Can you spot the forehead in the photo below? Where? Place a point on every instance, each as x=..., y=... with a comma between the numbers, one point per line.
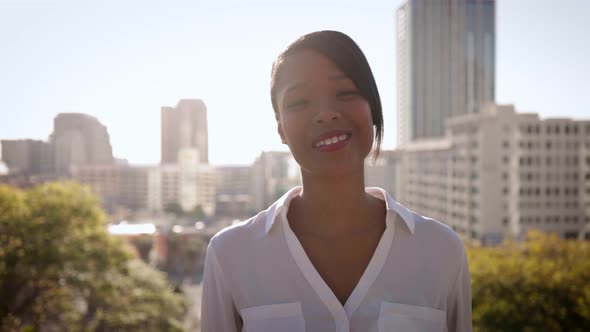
x=305, y=66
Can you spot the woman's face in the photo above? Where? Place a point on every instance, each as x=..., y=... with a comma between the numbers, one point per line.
x=322, y=116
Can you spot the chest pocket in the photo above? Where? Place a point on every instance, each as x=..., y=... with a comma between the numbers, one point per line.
x=408, y=318
x=286, y=317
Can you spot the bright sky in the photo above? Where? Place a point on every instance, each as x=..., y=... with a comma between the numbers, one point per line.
x=122, y=60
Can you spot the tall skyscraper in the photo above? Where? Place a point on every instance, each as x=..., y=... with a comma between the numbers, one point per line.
x=445, y=63
x=184, y=127
x=77, y=140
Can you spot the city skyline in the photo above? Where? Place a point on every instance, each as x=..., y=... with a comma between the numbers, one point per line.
x=123, y=64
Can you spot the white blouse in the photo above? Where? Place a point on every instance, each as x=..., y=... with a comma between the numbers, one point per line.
x=259, y=278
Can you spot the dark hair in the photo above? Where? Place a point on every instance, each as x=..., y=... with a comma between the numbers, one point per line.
x=347, y=55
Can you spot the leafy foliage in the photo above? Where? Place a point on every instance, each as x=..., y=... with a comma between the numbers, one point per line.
x=184, y=252
x=61, y=271
x=175, y=209
x=542, y=284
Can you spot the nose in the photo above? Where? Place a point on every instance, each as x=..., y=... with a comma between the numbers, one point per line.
x=326, y=113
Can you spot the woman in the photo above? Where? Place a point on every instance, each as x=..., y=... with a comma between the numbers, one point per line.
x=333, y=255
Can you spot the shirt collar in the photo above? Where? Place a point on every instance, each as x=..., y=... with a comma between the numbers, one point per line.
x=281, y=206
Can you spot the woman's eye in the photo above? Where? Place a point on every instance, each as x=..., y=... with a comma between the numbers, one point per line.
x=297, y=103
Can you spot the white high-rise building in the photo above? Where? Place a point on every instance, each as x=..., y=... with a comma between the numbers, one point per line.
x=500, y=173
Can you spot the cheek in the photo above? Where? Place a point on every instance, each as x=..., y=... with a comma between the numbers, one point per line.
x=292, y=128
x=365, y=120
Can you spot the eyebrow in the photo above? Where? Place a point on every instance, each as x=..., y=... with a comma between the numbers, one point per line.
x=302, y=84
x=339, y=77
x=294, y=87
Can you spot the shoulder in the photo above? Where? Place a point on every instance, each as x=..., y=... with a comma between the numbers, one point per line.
x=438, y=232
x=239, y=235
x=430, y=235
x=427, y=232
x=439, y=247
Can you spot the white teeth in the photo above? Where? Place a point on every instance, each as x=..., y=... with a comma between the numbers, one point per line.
x=332, y=140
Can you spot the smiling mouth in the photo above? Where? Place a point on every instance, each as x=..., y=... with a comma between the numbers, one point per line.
x=331, y=140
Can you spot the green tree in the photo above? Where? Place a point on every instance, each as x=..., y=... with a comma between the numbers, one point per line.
x=143, y=244
x=174, y=208
x=197, y=213
x=61, y=270
x=542, y=284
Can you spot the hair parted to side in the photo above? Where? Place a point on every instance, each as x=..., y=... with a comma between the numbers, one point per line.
x=348, y=56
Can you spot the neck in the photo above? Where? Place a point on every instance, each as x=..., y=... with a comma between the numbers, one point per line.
x=331, y=205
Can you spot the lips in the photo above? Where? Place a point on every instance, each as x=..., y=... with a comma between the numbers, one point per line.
x=332, y=141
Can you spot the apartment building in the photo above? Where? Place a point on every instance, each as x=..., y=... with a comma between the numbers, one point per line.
x=499, y=172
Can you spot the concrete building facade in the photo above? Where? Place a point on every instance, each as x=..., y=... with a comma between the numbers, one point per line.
x=501, y=173
x=184, y=126
x=445, y=63
x=234, y=192
x=27, y=156
x=273, y=174
x=384, y=171
x=149, y=189
x=79, y=140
